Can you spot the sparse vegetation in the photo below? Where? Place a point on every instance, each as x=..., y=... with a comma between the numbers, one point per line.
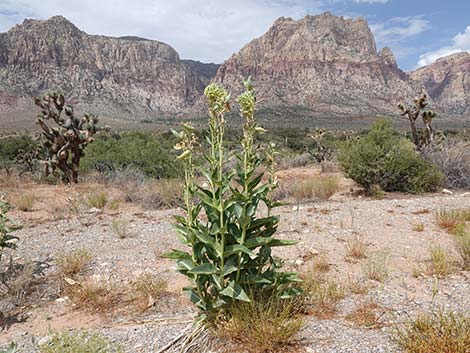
x=441, y=264
x=356, y=248
x=25, y=202
x=376, y=266
x=385, y=159
x=120, y=227
x=7, y=227
x=79, y=342
x=462, y=243
x=418, y=227
x=96, y=295
x=367, y=314
x=321, y=187
x=149, y=285
x=262, y=326
x=321, y=296
x=73, y=263
x=452, y=220
x=435, y=333
x=97, y=200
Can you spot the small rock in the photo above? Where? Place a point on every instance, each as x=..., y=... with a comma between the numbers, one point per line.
x=447, y=191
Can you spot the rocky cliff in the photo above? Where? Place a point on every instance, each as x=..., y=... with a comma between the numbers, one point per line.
x=127, y=77
x=327, y=64
x=448, y=83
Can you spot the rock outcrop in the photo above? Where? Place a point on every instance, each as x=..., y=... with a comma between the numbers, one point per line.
x=126, y=77
x=326, y=64
x=448, y=83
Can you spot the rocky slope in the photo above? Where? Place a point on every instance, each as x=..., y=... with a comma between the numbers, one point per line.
x=448, y=83
x=327, y=64
x=127, y=77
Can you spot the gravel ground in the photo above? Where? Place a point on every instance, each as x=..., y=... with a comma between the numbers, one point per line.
x=321, y=229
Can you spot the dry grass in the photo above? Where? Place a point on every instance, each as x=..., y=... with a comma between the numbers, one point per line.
x=376, y=267
x=79, y=342
x=462, y=244
x=321, y=296
x=97, y=296
x=149, y=285
x=97, y=200
x=321, y=264
x=435, y=333
x=367, y=315
x=418, y=227
x=451, y=220
x=441, y=264
x=120, y=227
x=356, y=248
x=262, y=327
x=73, y=263
x=321, y=187
x=25, y=202
x=357, y=286
x=165, y=193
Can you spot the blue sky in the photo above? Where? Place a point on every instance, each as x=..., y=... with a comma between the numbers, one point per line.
x=418, y=31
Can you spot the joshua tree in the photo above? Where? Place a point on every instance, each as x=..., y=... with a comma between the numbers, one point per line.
x=427, y=136
x=64, y=144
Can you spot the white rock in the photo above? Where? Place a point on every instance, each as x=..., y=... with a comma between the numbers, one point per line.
x=447, y=191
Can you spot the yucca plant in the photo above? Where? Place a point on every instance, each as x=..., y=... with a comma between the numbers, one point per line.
x=229, y=242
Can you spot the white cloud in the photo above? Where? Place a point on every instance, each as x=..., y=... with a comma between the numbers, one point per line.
x=208, y=30
x=460, y=43
x=399, y=29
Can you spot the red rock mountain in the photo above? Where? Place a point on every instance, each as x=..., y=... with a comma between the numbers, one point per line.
x=448, y=83
x=126, y=77
x=325, y=64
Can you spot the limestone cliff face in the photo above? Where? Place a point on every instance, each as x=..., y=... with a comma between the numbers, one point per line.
x=325, y=63
x=125, y=77
x=448, y=83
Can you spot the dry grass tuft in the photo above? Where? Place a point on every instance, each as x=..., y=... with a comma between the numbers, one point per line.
x=462, y=243
x=321, y=187
x=120, y=227
x=262, y=327
x=451, y=220
x=165, y=193
x=97, y=296
x=367, y=315
x=441, y=264
x=418, y=227
x=73, y=263
x=435, y=333
x=79, y=342
x=25, y=202
x=98, y=200
x=356, y=248
x=321, y=296
x=321, y=264
x=149, y=285
x=376, y=267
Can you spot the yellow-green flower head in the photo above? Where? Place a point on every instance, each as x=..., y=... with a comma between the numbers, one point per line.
x=217, y=96
x=246, y=100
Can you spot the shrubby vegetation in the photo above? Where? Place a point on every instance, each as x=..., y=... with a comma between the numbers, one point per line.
x=384, y=159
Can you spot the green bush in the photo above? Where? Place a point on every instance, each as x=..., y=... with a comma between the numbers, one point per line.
x=80, y=342
x=382, y=158
x=139, y=150
x=11, y=147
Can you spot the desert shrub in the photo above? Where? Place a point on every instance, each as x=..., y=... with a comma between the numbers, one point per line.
x=131, y=150
x=383, y=158
x=453, y=159
x=229, y=245
x=96, y=295
x=79, y=342
x=435, y=333
x=11, y=147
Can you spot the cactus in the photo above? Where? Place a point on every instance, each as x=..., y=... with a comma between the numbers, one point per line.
x=421, y=138
x=64, y=144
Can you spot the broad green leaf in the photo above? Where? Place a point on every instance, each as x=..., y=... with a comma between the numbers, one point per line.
x=235, y=291
x=204, y=269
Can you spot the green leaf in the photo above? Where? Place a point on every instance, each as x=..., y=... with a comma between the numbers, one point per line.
x=235, y=291
x=176, y=255
x=204, y=269
x=229, y=267
x=234, y=249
